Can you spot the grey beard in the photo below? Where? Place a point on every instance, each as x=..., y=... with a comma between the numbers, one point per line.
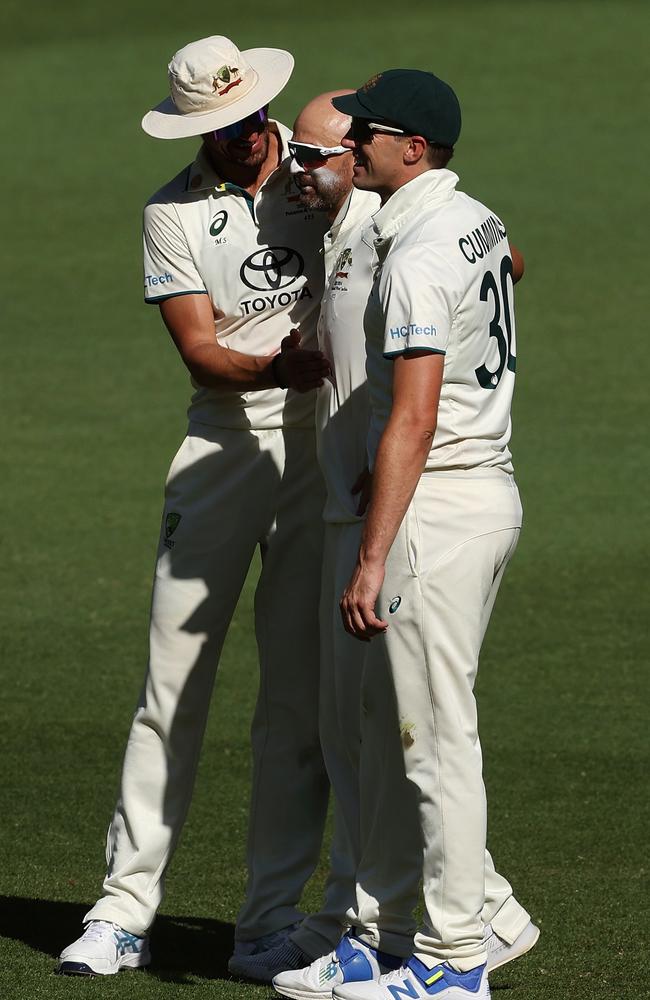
x=329, y=189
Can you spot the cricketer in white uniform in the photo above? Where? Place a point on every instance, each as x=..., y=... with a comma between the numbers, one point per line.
x=342, y=411
x=351, y=689
x=359, y=727
x=234, y=266
x=445, y=515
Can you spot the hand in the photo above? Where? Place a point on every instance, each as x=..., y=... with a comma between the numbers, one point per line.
x=299, y=369
x=358, y=603
x=362, y=486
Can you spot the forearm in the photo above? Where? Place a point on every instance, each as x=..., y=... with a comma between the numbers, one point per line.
x=214, y=366
x=401, y=456
x=402, y=453
x=190, y=321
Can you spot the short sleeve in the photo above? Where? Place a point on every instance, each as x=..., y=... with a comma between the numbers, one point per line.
x=169, y=267
x=419, y=293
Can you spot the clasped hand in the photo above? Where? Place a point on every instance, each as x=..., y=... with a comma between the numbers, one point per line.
x=301, y=369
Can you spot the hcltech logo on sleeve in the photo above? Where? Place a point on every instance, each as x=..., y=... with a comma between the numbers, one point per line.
x=410, y=330
x=157, y=279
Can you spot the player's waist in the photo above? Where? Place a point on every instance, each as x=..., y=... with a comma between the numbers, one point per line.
x=264, y=409
x=497, y=473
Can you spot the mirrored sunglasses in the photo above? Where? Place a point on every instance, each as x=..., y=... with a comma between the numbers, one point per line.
x=305, y=152
x=238, y=128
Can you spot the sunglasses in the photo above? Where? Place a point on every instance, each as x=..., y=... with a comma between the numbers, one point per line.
x=305, y=152
x=238, y=128
x=362, y=130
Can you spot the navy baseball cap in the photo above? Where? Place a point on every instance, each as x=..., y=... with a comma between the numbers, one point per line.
x=421, y=103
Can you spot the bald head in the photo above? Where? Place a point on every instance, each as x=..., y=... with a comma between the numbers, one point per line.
x=324, y=183
x=320, y=123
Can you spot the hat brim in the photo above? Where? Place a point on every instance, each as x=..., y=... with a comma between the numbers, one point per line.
x=273, y=68
x=349, y=104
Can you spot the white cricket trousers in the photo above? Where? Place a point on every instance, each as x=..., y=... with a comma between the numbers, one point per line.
x=376, y=864
x=227, y=492
x=442, y=577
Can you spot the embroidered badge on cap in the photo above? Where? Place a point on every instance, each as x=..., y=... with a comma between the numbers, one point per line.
x=372, y=82
x=225, y=79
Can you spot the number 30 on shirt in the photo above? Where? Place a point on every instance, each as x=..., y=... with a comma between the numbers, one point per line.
x=499, y=294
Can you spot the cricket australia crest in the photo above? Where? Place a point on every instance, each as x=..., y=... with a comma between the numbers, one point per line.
x=225, y=79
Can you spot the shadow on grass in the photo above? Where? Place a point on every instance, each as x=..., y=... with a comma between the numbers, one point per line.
x=181, y=946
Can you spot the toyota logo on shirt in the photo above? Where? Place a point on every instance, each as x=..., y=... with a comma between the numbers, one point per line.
x=271, y=268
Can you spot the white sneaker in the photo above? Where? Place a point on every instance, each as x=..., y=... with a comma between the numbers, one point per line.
x=102, y=950
x=499, y=952
x=263, y=958
x=352, y=961
x=419, y=982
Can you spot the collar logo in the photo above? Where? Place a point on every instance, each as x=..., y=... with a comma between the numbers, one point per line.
x=225, y=79
x=372, y=82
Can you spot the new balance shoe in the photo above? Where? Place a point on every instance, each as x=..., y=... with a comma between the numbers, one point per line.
x=414, y=980
x=499, y=952
x=263, y=967
x=352, y=961
x=102, y=950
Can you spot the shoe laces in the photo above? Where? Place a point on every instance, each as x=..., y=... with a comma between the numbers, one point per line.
x=395, y=975
x=98, y=929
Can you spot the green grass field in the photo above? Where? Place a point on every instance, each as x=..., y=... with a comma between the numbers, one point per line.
x=555, y=139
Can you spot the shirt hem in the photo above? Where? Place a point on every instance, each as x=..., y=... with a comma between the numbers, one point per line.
x=407, y=350
x=173, y=295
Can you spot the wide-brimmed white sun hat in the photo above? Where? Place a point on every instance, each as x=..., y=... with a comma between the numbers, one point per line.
x=213, y=84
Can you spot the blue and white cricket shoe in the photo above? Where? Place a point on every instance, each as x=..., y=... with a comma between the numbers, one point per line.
x=500, y=951
x=102, y=950
x=415, y=981
x=352, y=961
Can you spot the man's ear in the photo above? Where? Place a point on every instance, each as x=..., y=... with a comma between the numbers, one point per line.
x=415, y=149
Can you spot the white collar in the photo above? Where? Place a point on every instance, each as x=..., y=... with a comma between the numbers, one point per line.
x=433, y=187
x=356, y=208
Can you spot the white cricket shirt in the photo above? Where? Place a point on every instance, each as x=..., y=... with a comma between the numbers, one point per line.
x=259, y=261
x=343, y=407
x=444, y=284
